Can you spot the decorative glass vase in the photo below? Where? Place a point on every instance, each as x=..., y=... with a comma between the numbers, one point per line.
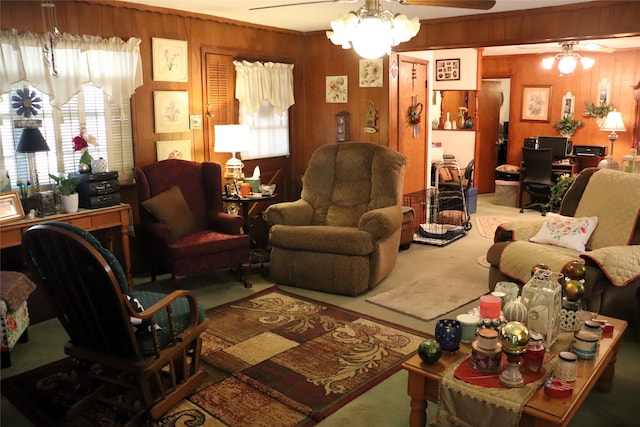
x=542, y=295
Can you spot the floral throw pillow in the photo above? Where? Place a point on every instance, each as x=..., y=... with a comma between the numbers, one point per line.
x=566, y=231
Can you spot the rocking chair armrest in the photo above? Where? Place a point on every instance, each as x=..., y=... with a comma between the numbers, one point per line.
x=165, y=302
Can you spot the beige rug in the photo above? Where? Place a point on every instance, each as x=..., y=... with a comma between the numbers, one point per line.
x=482, y=260
x=430, y=297
x=487, y=224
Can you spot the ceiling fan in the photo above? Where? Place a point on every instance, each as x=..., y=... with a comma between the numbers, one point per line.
x=463, y=4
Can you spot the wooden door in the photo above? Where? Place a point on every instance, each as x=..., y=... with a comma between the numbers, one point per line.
x=487, y=152
x=412, y=79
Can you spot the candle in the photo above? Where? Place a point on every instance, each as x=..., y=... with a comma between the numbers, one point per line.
x=489, y=307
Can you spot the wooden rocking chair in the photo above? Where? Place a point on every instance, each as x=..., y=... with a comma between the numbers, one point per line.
x=152, y=354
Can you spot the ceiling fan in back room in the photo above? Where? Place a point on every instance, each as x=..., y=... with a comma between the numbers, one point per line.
x=372, y=31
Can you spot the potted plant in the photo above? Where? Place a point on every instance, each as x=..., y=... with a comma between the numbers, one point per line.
x=599, y=112
x=567, y=125
x=557, y=191
x=68, y=194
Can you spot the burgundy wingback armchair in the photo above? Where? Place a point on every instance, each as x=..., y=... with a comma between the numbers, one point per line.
x=182, y=223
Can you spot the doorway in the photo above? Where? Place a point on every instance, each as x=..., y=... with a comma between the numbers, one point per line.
x=493, y=102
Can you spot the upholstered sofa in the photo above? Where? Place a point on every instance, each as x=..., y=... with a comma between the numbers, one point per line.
x=342, y=236
x=612, y=251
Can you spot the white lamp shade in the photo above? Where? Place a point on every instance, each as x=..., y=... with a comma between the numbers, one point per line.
x=613, y=122
x=231, y=138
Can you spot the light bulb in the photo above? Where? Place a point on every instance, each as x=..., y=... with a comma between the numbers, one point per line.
x=372, y=38
x=547, y=63
x=587, y=62
x=567, y=64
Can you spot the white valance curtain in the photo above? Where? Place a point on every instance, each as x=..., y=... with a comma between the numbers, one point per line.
x=111, y=64
x=257, y=82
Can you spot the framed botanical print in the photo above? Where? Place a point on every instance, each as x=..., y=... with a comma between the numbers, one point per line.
x=536, y=104
x=337, y=89
x=180, y=150
x=371, y=72
x=171, y=111
x=170, y=60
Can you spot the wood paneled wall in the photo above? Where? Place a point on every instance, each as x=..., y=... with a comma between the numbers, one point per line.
x=125, y=20
x=622, y=69
x=314, y=58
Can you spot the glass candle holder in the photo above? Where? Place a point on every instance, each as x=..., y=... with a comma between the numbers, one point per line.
x=448, y=334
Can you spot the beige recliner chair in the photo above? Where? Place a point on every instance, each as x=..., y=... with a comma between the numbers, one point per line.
x=342, y=236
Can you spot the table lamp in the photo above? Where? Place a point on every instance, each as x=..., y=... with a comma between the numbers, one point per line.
x=232, y=139
x=32, y=141
x=613, y=123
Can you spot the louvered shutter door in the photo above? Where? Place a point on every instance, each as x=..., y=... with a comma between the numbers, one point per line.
x=219, y=95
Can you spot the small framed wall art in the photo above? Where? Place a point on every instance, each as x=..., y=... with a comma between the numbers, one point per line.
x=568, y=104
x=337, y=89
x=10, y=207
x=171, y=111
x=536, y=104
x=170, y=60
x=371, y=72
x=180, y=150
x=447, y=69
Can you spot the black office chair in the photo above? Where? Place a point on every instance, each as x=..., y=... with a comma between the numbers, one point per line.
x=537, y=177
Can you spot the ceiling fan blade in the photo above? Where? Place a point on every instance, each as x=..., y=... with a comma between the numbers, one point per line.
x=463, y=4
x=302, y=3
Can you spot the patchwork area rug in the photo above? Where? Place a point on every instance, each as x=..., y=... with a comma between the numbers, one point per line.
x=275, y=359
x=487, y=225
x=430, y=297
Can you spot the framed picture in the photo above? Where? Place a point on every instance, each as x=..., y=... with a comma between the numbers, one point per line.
x=536, y=104
x=337, y=89
x=171, y=111
x=604, y=91
x=371, y=72
x=447, y=69
x=170, y=60
x=10, y=207
x=180, y=149
x=568, y=104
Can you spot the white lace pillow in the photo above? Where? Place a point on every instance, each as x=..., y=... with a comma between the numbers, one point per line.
x=566, y=231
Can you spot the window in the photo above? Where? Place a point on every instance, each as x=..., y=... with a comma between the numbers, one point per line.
x=268, y=132
x=90, y=108
x=265, y=93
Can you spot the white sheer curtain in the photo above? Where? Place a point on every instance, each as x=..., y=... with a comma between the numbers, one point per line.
x=111, y=64
x=265, y=92
x=258, y=81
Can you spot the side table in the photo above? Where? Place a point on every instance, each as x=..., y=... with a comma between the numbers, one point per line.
x=257, y=254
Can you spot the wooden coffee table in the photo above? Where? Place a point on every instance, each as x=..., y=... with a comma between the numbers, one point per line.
x=541, y=410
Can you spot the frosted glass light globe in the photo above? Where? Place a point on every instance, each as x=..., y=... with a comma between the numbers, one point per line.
x=372, y=38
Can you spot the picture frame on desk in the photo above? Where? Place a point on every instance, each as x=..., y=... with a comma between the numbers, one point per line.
x=536, y=103
x=10, y=207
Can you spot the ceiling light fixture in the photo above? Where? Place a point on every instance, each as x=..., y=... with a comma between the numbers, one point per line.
x=372, y=31
x=568, y=59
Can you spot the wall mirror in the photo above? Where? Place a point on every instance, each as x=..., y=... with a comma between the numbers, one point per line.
x=456, y=103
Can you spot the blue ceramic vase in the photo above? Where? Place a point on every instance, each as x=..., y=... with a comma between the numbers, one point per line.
x=448, y=334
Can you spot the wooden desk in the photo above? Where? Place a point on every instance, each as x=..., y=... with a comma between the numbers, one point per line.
x=88, y=219
x=541, y=410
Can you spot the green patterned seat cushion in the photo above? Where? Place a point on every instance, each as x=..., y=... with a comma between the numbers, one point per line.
x=146, y=298
x=180, y=312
